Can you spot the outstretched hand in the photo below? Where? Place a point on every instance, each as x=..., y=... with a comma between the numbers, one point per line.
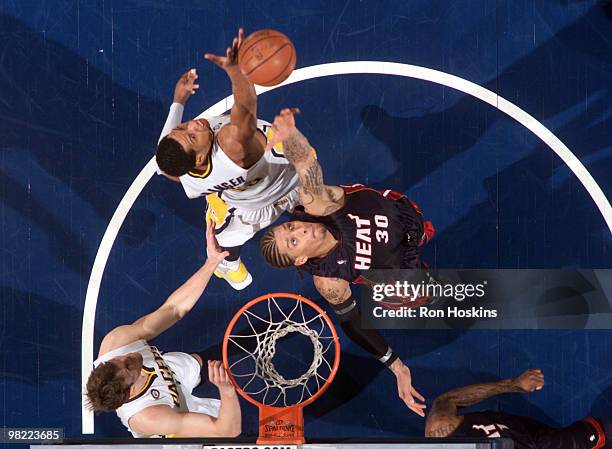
x=283, y=126
x=215, y=253
x=185, y=86
x=406, y=391
x=530, y=381
x=218, y=376
x=230, y=60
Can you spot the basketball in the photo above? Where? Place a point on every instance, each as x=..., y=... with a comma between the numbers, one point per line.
x=267, y=57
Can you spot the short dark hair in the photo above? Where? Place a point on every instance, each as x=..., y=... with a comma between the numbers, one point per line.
x=271, y=251
x=172, y=158
x=106, y=390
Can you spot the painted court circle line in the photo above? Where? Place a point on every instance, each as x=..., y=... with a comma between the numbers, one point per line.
x=306, y=73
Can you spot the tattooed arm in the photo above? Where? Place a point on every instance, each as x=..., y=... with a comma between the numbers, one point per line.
x=316, y=197
x=334, y=290
x=338, y=293
x=443, y=418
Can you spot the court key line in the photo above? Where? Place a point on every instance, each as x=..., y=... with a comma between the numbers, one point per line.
x=306, y=73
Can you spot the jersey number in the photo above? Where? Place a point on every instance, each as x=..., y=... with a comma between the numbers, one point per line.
x=492, y=430
x=382, y=222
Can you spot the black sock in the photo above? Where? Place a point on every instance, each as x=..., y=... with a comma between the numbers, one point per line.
x=369, y=339
x=234, y=253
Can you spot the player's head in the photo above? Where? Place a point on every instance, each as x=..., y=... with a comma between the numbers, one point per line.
x=109, y=384
x=293, y=243
x=186, y=147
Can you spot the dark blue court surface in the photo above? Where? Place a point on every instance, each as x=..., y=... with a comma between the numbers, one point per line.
x=84, y=91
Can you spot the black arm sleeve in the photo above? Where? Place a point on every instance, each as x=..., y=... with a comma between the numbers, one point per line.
x=368, y=339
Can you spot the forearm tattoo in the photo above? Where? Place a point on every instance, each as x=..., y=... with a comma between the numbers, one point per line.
x=441, y=431
x=442, y=420
x=472, y=394
x=333, y=294
x=336, y=201
x=312, y=179
x=296, y=148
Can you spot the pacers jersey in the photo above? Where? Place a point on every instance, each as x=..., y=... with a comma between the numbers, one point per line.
x=271, y=178
x=170, y=379
x=375, y=230
x=530, y=434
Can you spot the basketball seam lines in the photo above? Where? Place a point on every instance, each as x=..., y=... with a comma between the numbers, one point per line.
x=267, y=59
x=282, y=73
x=258, y=40
x=252, y=44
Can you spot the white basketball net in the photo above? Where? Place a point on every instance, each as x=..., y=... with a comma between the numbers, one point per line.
x=272, y=385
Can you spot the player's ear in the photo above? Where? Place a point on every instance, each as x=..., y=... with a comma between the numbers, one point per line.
x=301, y=260
x=200, y=159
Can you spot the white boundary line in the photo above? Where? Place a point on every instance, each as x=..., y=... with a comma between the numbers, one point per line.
x=306, y=73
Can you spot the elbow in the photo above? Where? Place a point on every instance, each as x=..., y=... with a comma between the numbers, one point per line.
x=440, y=401
x=180, y=314
x=235, y=429
x=230, y=430
x=444, y=402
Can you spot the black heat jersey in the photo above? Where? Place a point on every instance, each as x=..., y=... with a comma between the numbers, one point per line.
x=375, y=230
x=528, y=433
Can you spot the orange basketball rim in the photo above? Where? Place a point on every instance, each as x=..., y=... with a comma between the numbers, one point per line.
x=280, y=401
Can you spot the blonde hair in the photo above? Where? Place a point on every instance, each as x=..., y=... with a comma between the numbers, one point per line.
x=106, y=391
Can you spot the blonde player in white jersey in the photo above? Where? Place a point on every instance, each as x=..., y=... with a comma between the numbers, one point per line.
x=224, y=159
x=151, y=390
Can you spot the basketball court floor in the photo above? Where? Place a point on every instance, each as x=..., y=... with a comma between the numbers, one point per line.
x=85, y=87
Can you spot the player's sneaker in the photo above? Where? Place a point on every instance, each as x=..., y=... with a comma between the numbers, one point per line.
x=239, y=278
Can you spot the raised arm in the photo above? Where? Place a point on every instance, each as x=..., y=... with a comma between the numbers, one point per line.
x=444, y=419
x=164, y=420
x=176, y=306
x=244, y=111
x=338, y=293
x=316, y=197
x=185, y=87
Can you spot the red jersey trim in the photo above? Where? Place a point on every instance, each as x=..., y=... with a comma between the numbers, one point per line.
x=390, y=194
x=601, y=440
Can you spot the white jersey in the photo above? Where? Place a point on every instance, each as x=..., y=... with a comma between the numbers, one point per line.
x=171, y=379
x=268, y=180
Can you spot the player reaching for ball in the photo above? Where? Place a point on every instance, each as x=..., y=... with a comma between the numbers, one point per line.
x=151, y=390
x=224, y=159
x=444, y=419
x=338, y=234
